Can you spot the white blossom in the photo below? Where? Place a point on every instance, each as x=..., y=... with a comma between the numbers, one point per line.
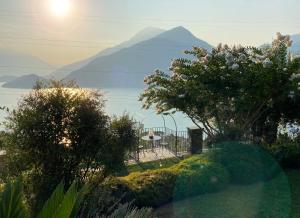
x=229, y=58
x=267, y=63
x=235, y=66
x=181, y=96
x=295, y=76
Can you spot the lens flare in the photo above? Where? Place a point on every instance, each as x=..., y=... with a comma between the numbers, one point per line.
x=60, y=8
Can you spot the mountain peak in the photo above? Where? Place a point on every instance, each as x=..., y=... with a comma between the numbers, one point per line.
x=146, y=33
x=180, y=34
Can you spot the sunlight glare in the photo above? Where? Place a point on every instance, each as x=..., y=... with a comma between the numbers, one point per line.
x=60, y=8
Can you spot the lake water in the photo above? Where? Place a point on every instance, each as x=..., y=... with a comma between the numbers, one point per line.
x=118, y=101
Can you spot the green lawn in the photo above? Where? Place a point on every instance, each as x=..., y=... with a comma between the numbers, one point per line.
x=277, y=198
x=157, y=164
x=164, y=163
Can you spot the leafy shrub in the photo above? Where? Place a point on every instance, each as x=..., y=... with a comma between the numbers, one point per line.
x=190, y=177
x=129, y=211
x=11, y=201
x=123, y=139
x=105, y=196
x=153, y=187
x=198, y=176
x=286, y=150
x=246, y=163
x=60, y=205
x=59, y=131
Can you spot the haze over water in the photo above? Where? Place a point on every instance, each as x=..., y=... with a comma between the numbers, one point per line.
x=118, y=101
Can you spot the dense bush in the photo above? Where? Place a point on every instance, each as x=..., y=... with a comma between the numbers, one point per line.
x=105, y=195
x=57, y=132
x=286, y=150
x=209, y=172
x=246, y=163
x=123, y=139
x=198, y=176
x=61, y=132
x=154, y=188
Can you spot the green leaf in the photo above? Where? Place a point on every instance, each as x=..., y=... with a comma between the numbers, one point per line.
x=11, y=201
x=53, y=202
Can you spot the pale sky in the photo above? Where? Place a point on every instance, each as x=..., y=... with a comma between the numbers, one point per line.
x=91, y=25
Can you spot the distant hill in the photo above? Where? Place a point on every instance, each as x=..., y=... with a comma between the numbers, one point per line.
x=7, y=78
x=128, y=67
x=296, y=43
x=143, y=35
x=13, y=63
x=23, y=82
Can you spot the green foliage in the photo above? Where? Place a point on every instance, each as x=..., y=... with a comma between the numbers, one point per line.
x=200, y=176
x=154, y=188
x=209, y=172
x=286, y=150
x=105, y=196
x=59, y=205
x=63, y=205
x=230, y=91
x=12, y=202
x=57, y=132
x=124, y=138
x=129, y=211
x=2, y=138
x=246, y=163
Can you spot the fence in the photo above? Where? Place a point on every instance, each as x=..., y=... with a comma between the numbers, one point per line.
x=177, y=142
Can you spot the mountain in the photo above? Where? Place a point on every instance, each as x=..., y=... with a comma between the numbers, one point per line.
x=129, y=66
x=23, y=82
x=6, y=78
x=14, y=63
x=143, y=35
x=296, y=43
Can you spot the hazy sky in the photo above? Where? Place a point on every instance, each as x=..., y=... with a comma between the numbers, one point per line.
x=92, y=25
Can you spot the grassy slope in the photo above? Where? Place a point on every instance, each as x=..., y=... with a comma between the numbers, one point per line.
x=275, y=198
x=157, y=164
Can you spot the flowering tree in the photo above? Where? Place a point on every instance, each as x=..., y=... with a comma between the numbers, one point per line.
x=245, y=89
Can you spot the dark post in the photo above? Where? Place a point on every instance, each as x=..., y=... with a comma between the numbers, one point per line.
x=196, y=136
x=176, y=136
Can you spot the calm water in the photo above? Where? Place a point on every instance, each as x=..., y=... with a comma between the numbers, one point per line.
x=118, y=101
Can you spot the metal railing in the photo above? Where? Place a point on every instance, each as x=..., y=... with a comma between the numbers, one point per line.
x=177, y=142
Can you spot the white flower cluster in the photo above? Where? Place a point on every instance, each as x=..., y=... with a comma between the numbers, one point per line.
x=286, y=39
x=235, y=66
x=267, y=63
x=295, y=76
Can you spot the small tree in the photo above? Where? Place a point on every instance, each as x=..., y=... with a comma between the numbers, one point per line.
x=231, y=92
x=58, y=132
x=124, y=138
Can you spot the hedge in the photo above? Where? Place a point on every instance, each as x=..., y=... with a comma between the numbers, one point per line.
x=191, y=177
x=246, y=163
x=210, y=172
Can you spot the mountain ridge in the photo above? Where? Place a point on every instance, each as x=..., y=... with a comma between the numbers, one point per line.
x=142, y=35
x=129, y=66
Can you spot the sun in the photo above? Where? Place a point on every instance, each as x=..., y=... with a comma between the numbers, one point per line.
x=60, y=8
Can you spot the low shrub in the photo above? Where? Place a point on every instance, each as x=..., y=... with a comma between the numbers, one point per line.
x=246, y=163
x=209, y=172
x=152, y=188
x=105, y=196
x=190, y=177
x=199, y=176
